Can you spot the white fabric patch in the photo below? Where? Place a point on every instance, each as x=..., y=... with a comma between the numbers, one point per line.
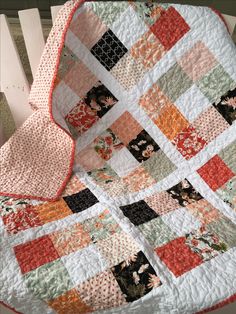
x=181, y=221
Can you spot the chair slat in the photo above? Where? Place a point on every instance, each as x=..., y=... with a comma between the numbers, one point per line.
x=231, y=22
x=33, y=35
x=54, y=11
x=14, y=83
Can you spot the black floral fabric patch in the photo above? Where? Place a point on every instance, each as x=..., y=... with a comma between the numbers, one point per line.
x=139, y=212
x=184, y=193
x=136, y=277
x=143, y=146
x=227, y=106
x=80, y=201
x=100, y=99
x=109, y=50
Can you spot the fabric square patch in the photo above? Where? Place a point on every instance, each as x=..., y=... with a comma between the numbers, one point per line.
x=123, y=162
x=189, y=143
x=139, y=212
x=136, y=277
x=117, y=248
x=178, y=256
x=70, y=240
x=153, y=101
x=174, y=82
x=12, y=205
x=35, y=253
x=204, y=211
x=102, y=226
x=106, y=144
x=81, y=117
x=64, y=98
x=89, y=159
x=205, y=243
x=157, y=232
x=192, y=103
x=128, y=71
x=184, y=193
x=23, y=219
x=225, y=229
x=197, y=61
x=149, y=12
x=73, y=186
x=109, y=11
x=69, y=303
x=162, y=202
x=170, y=28
x=227, y=192
x=81, y=201
x=48, y=281
x=210, y=124
x=181, y=221
x=124, y=27
x=103, y=175
x=143, y=146
x=215, y=83
x=84, y=264
x=138, y=179
x=227, y=156
x=101, y=292
x=171, y=121
x=67, y=60
x=100, y=99
x=126, y=127
x=80, y=87
x=215, y=173
x=227, y=106
x=159, y=165
x=148, y=50
x=88, y=28
x=109, y=50
x=51, y=211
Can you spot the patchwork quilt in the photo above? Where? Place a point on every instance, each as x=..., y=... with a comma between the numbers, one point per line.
x=118, y=194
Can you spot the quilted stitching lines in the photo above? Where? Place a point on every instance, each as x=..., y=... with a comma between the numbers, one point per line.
x=97, y=286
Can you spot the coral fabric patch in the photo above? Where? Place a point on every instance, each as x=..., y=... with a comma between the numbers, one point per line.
x=178, y=257
x=35, y=253
x=215, y=173
x=169, y=28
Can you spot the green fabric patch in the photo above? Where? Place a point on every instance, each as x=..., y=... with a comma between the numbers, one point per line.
x=215, y=84
x=228, y=192
x=101, y=227
x=157, y=232
x=174, y=82
x=109, y=11
x=225, y=229
x=159, y=166
x=228, y=156
x=49, y=281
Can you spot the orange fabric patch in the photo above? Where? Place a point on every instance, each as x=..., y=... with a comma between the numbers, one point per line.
x=53, y=211
x=171, y=122
x=69, y=303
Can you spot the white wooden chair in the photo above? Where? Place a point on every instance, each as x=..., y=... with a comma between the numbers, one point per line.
x=13, y=81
